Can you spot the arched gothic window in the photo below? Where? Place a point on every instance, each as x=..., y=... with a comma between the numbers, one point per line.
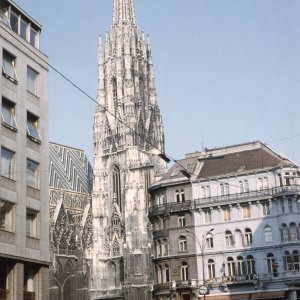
x=116, y=186
x=111, y=275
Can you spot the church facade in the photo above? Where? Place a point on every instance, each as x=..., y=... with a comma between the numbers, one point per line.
x=128, y=138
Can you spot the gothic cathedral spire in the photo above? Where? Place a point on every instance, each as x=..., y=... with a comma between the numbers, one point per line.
x=128, y=136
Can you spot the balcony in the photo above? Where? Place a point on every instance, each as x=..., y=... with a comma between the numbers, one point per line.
x=240, y=279
x=170, y=207
x=249, y=196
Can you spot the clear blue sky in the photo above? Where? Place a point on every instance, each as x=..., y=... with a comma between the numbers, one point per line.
x=226, y=72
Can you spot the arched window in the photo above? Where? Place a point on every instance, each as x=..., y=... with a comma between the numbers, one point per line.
x=293, y=232
x=228, y=238
x=211, y=269
x=250, y=265
x=159, y=274
x=116, y=248
x=270, y=260
x=248, y=236
x=182, y=195
x=288, y=261
x=184, y=271
x=182, y=244
x=165, y=247
x=238, y=238
x=230, y=266
x=116, y=186
x=296, y=259
x=209, y=241
x=268, y=234
x=240, y=266
x=158, y=248
x=111, y=275
x=285, y=233
x=177, y=194
x=166, y=273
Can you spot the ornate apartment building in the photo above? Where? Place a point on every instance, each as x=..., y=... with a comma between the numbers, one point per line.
x=24, y=209
x=70, y=181
x=228, y=228
x=128, y=136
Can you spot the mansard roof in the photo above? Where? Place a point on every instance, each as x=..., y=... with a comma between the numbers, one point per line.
x=226, y=161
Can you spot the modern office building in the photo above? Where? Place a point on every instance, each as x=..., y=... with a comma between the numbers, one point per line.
x=24, y=208
x=229, y=227
x=70, y=180
x=128, y=136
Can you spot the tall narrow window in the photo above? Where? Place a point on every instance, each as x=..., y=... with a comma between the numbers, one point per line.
x=6, y=216
x=9, y=66
x=293, y=232
x=31, y=223
x=209, y=241
x=208, y=215
x=33, y=37
x=226, y=189
x=7, y=163
x=248, y=236
x=32, y=127
x=240, y=266
x=32, y=174
x=268, y=234
x=296, y=260
x=23, y=29
x=250, y=265
x=14, y=22
x=245, y=211
x=285, y=233
x=266, y=208
x=231, y=271
x=184, y=271
x=270, y=261
x=32, y=81
x=8, y=114
x=181, y=221
x=211, y=269
x=228, y=239
x=290, y=205
x=226, y=213
x=117, y=186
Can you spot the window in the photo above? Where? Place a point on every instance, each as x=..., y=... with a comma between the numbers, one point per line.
x=230, y=266
x=296, y=260
x=211, y=269
x=205, y=191
x=268, y=234
x=228, y=238
x=33, y=37
x=181, y=221
x=245, y=211
x=32, y=127
x=224, y=189
x=32, y=174
x=270, y=261
x=293, y=232
x=7, y=163
x=159, y=274
x=182, y=244
x=8, y=114
x=226, y=214
x=14, y=22
x=32, y=81
x=158, y=248
x=287, y=178
x=243, y=184
x=240, y=266
x=179, y=196
x=285, y=233
x=9, y=66
x=116, y=182
x=165, y=247
x=248, y=236
x=161, y=198
x=116, y=248
x=290, y=205
x=166, y=274
x=266, y=208
x=6, y=216
x=250, y=265
x=282, y=206
x=31, y=223
x=208, y=216
x=209, y=241
x=184, y=271
x=288, y=261
x=265, y=183
x=23, y=29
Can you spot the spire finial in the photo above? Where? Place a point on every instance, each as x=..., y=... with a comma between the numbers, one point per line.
x=123, y=12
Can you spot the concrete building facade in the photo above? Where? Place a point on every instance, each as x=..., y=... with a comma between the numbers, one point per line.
x=24, y=210
x=229, y=228
x=128, y=136
x=70, y=189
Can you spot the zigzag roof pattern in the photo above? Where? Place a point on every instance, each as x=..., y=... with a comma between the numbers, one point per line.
x=69, y=169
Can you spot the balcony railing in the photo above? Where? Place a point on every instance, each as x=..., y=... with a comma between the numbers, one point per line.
x=231, y=198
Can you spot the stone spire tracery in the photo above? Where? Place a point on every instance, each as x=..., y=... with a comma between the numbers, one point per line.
x=128, y=135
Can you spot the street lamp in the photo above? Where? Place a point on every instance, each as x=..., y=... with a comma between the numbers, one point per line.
x=203, y=288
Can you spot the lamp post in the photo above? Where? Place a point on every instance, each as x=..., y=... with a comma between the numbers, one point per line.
x=203, y=289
